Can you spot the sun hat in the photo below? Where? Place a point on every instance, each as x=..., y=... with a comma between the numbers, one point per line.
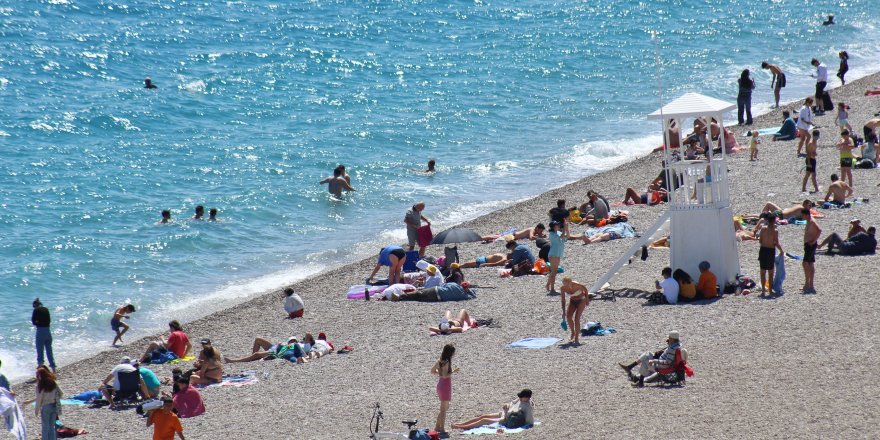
x=444, y=324
x=454, y=265
x=125, y=360
x=292, y=338
x=674, y=335
x=432, y=269
x=206, y=341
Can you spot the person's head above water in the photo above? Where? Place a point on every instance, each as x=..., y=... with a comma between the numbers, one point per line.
x=166, y=214
x=148, y=83
x=341, y=168
x=337, y=172
x=431, y=164
x=200, y=212
x=213, y=214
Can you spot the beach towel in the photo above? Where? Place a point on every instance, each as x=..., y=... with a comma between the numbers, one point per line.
x=84, y=397
x=179, y=360
x=424, y=235
x=493, y=428
x=534, y=343
x=161, y=357
x=596, y=329
x=248, y=377
x=763, y=131
x=357, y=291
x=13, y=417
x=779, y=276
x=624, y=230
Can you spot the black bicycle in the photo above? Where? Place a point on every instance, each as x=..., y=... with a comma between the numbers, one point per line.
x=375, y=434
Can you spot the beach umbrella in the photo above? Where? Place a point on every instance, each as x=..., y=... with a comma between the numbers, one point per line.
x=456, y=235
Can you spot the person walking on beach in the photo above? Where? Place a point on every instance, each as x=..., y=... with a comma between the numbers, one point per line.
x=844, y=66
x=337, y=183
x=811, y=242
x=578, y=299
x=744, y=97
x=804, y=123
x=768, y=237
x=842, y=118
x=164, y=422
x=413, y=220
x=846, y=147
x=810, y=169
x=557, y=250
x=443, y=369
x=778, y=81
x=41, y=319
x=821, y=81
x=116, y=323
x=48, y=402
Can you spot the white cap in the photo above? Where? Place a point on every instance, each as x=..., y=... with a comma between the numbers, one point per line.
x=674, y=335
x=422, y=264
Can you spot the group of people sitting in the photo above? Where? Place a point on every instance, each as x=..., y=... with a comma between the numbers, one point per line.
x=678, y=286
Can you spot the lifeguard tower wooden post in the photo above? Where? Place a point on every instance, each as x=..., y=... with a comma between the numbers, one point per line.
x=699, y=214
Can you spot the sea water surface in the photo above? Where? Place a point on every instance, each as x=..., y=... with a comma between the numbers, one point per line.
x=258, y=100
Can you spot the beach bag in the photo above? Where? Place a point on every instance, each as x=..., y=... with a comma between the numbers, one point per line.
x=827, y=103
x=515, y=419
x=541, y=267
x=621, y=218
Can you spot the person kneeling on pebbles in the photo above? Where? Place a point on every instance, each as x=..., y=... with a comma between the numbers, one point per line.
x=651, y=363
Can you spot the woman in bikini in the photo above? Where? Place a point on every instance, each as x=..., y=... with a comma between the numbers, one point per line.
x=578, y=298
x=443, y=369
x=453, y=324
x=211, y=370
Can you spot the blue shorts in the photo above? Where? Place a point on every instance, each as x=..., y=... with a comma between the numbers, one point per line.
x=115, y=324
x=480, y=261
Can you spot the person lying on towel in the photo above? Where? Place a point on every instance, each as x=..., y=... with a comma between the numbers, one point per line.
x=447, y=292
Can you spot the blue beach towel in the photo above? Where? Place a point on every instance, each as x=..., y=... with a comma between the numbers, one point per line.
x=534, y=343
x=161, y=357
x=493, y=428
x=779, y=275
x=624, y=230
x=763, y=131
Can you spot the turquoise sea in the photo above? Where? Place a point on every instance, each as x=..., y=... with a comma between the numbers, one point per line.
x=259, y=100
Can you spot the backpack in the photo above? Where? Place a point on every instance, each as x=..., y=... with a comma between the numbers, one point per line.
x=516, y=419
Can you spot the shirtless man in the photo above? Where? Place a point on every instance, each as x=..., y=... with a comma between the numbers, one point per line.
x=657, y=187
x=838, y=191
x=810, y=170
x=166, y=216
x=768, y=238
x=487, y=261
x=596, y=210
x=778, y=81
x=529, y=233
x=116, y=323
x=787, y=213
x=337, y=183
x=578, y=298
x=200, y=213
x=811, y=242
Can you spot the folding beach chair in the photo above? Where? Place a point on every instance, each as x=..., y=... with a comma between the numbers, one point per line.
x=412, y=257
x=129, y=388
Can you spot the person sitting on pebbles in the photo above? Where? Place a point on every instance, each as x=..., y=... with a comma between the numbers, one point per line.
x=516, y=414
x=649, y=362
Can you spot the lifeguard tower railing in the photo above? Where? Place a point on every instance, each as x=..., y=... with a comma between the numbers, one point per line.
x=699, y=184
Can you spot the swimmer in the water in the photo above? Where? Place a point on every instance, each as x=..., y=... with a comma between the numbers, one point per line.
x=212, y=215
x=166, y=216
x=148, y=84
x=828, y=22
x=200, y=212
x=431, y=164
x=337, y=183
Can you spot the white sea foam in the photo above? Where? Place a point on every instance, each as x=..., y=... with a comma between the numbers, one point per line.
x=197, y=86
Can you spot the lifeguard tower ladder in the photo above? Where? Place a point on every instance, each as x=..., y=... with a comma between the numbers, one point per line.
x=699, y=214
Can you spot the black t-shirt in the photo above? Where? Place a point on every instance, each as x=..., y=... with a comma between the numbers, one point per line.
x=558, y=214
x=40, y=317
x=859, y=244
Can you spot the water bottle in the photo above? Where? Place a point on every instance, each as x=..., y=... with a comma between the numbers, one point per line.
x=366, y=293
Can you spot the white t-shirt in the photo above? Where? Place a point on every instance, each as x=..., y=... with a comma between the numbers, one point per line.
x=398, y=289
x=321, y=347
x=670, y=290
x=805, y=118
x=821, y=73
x=434, y=281
x=121, y=368
x=293, y=303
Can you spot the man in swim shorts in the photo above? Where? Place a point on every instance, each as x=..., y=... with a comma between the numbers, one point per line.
x=768, y=237
x=792, y=213
x=487, y=261
x=116, y=323
x=810, y=169
x=838, y=191
x=337, y=183
x=778, y=80
x=811, y=241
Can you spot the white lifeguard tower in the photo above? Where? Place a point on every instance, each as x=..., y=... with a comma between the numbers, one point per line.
x=699, y=214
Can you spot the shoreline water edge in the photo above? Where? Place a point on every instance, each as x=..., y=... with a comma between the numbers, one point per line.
x=391, y=352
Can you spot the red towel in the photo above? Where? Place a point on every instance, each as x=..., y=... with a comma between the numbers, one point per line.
x=424, y=235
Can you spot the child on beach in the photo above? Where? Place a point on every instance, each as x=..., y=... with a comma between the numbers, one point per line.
x=842, y=119
x=844, y=66
x=293, y=304
x=753, y=146
x=443, y=369
x=846, y=147
x=810, y=169
x=164, y=422
x=116, y=323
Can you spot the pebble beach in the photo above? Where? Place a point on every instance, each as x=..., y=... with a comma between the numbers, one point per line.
x=793, y=366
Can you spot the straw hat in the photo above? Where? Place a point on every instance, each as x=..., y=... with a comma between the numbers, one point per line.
x=674, y=335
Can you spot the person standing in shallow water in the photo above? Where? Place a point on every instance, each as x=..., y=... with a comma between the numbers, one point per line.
x=443, y=369
x=844, y=66
x=337, y=183
x=41, y=319
x=744, y=97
